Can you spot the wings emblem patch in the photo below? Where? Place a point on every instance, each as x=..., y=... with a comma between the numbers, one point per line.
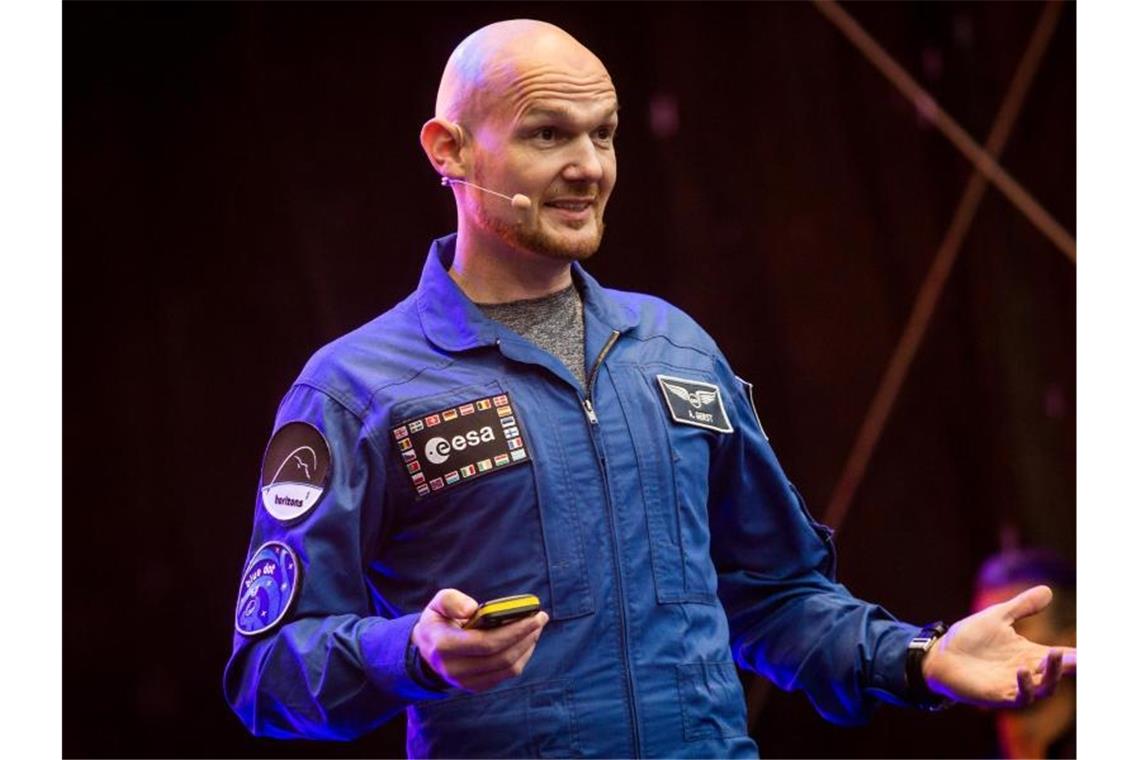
x=692, y=402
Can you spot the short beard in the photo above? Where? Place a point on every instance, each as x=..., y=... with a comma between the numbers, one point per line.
x=534, y=239
x=537, y=241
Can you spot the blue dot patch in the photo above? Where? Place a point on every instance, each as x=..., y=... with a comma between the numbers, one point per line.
x=268, y=588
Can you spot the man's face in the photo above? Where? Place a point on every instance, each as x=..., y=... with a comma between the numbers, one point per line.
x=548, y=134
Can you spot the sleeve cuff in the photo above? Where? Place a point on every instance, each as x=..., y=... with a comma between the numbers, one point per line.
x=421, y=672
x=888, y=676
x=388, y=661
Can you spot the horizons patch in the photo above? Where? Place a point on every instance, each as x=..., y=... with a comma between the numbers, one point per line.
x=268, y=588
x=692, y=402
x=460, y=443
x=295, y=470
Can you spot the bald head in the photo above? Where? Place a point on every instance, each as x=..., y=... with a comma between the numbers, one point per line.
x=494, y=65
x=525, y=109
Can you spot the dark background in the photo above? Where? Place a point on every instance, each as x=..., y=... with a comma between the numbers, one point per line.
x=243, y=183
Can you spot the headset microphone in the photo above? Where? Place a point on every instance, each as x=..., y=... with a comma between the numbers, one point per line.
x=518, y=200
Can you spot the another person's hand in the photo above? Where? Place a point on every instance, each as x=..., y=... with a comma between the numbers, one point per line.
x=982, y=661
x=473, y=659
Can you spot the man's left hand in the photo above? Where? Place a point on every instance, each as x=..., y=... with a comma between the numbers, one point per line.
x=982, y=661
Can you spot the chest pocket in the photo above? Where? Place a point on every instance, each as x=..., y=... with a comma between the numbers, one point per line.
x=495, y=525
x=673, y=463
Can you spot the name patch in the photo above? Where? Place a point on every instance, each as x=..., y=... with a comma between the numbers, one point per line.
x=460, y=443
x=295, y=470
x=268, y=588
x=692, y=402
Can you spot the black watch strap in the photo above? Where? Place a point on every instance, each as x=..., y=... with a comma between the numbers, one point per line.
x=420, y=671
x=918, y=693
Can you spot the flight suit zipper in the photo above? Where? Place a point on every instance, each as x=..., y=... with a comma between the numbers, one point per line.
x=587, y=403
x=592, y=417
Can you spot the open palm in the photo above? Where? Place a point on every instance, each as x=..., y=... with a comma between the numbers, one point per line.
x=983, y=661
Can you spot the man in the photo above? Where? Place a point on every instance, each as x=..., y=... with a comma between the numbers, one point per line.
x=513, y=427
x=1047, y=728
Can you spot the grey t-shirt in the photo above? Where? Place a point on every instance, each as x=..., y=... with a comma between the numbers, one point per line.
x=553, y=323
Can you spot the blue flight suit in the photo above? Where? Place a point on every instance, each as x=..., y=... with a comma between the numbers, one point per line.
x=664, y=552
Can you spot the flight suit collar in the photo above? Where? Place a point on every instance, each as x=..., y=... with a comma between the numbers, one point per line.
x=454, y=323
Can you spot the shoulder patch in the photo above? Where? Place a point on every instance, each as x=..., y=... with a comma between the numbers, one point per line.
x=453, y=445
x=268, y=589
x=752, y=402
x=693, y=402
x=295, y=470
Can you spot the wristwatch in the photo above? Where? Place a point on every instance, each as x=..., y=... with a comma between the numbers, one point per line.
x=918, y=693
x=420, y=671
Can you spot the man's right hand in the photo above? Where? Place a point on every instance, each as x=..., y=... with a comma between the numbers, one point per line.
x=473, y=659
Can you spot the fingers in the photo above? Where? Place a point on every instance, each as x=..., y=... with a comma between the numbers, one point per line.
x=485, y=681
x=1068, y=659
x=474, y=659
x=1052, y=675
x=485, y=643
x=1052, y=670
x=453, y=605
x=481, y=673
x=1024, y=688
x=478, y=673
x=1028, y=602
x=489, y=663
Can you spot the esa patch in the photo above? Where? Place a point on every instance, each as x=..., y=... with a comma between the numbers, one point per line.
x=295, y=470
x=460, y=443
x=692, y=402
x=268, y=588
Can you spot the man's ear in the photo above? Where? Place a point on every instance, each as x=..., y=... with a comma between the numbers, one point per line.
x=442, y=141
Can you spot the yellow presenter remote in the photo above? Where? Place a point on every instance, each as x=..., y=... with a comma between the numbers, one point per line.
x=505, y=609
